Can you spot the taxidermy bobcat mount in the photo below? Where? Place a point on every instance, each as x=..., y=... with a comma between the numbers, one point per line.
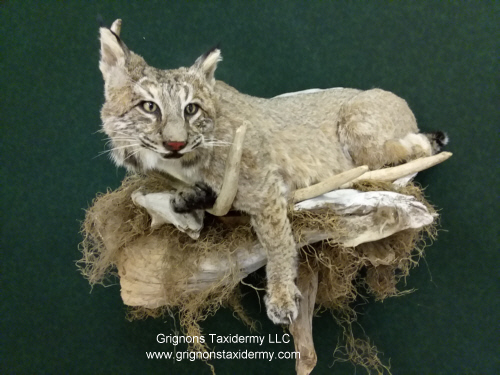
x=181, y=121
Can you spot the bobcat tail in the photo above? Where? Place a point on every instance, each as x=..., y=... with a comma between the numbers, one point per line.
x=438, y=140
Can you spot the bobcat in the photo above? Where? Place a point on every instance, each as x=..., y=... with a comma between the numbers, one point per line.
x=181, y=121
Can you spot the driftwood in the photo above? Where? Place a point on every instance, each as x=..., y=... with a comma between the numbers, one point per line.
x=301, y=328
x=367, y=217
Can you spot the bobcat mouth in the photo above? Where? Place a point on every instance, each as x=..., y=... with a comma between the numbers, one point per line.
x=172, y=155
x=178, y=154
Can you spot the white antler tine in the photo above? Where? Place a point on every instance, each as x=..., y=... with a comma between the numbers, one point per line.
x=329, y=184
x=229, y=187
x=346, y=179
x=393, y=173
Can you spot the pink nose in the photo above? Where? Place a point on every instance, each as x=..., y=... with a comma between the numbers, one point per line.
x=174, y=146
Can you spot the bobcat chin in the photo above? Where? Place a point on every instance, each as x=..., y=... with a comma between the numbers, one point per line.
x=181, y=122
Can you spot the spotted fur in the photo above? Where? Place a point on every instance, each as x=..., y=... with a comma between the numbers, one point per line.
x=292, y=141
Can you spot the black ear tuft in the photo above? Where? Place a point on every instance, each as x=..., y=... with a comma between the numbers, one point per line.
x=217, y=46
x=207, y=63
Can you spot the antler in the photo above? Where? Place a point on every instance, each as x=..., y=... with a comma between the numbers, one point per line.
x=414, y=166
x=329, y=184
x=346, y=179
x=231, y=174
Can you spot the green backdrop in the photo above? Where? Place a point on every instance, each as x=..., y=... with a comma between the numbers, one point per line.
x=442, y=57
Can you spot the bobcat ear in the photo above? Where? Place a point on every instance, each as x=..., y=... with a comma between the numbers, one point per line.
x=114, y=53
x=207, y=63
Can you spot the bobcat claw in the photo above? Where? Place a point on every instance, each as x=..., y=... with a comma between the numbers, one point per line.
x=283, y=304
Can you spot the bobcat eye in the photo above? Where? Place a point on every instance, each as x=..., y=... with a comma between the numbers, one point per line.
x=191, y=109
x=149, y=107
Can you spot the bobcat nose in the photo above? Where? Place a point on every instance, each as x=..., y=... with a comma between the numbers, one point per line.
x=174, y=146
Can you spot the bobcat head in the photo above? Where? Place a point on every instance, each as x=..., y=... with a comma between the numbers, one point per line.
x=154, y=117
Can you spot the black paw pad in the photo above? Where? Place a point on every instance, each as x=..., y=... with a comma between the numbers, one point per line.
x=199, y=197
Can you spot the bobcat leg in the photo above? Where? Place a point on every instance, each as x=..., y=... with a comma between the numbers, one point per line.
x=410, y=147
x=275, y=234
x=366, y=148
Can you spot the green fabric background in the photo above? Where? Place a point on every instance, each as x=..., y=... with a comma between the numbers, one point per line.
x=442, y=57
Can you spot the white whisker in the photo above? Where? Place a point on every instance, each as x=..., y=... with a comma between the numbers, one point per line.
x=210, y=145
x=123, y=134
x=217, y=144
x=117, y=148
x=120, y=147
x=133, y=153
x=216, y=141
x=121, y=139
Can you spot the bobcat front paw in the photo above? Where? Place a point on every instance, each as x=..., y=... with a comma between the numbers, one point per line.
x=199, y=197
x=282, y=303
